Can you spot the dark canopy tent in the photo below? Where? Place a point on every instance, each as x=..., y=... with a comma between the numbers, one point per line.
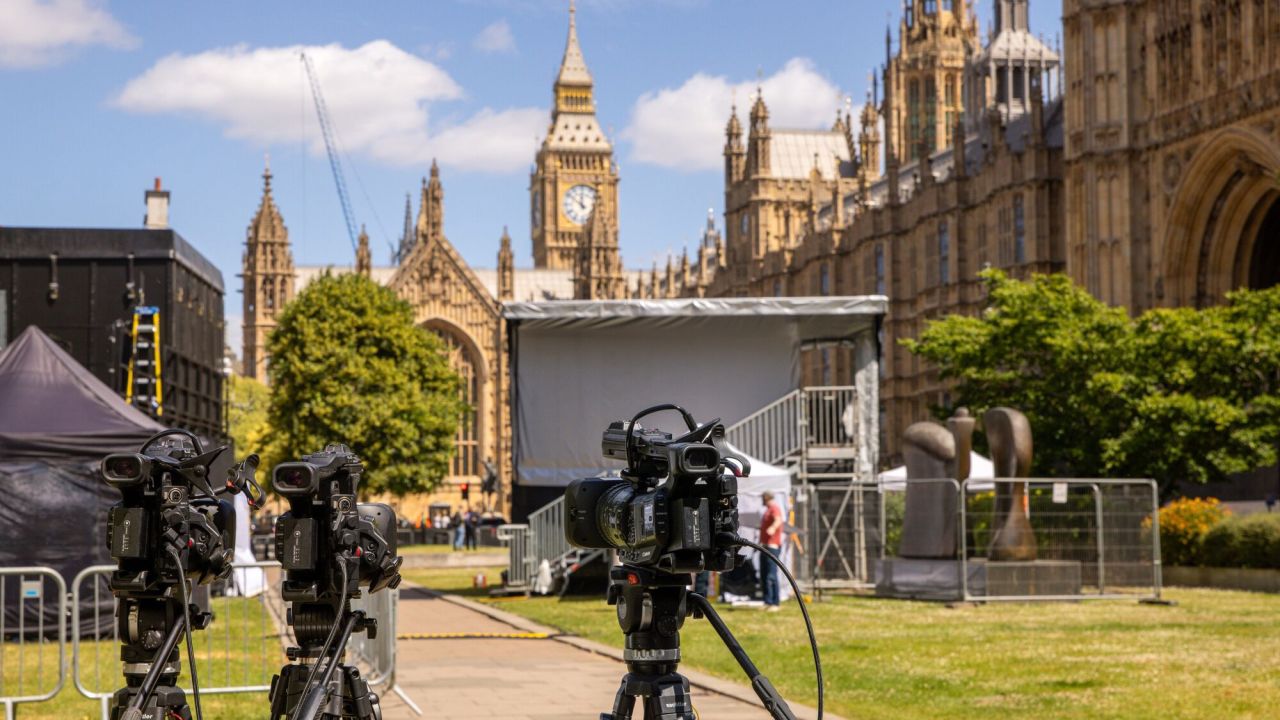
x=56, y=422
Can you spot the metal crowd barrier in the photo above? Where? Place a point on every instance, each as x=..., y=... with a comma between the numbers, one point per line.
x=1094, y=538
x=24, y=624
x=240, y=651
x=519, y=570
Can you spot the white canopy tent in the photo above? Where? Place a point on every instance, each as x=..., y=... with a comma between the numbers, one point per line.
x=980, y=468
x=764, y=477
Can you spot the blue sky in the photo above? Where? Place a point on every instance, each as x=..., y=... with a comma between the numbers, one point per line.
x=100, y=97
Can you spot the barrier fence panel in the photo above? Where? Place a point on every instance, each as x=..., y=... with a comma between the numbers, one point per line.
x=1089, y=538
x=839, y=525
x=1094, y=538
x=516, y=536
x=33, y=631
x=238, y=653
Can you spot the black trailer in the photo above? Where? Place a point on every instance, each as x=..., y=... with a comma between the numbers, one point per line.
x=81, y=285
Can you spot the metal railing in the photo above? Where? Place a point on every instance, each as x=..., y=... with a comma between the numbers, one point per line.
x=772, y=433
x=26, y=596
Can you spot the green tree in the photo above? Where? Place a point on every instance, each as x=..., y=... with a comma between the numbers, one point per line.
x=247, y=415
x=1180, y=395
x=349, y=365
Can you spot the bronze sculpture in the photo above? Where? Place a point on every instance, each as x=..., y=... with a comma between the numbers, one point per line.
x=1009, y=437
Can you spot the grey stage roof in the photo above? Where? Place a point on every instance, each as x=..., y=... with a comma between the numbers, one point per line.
x=817, y=318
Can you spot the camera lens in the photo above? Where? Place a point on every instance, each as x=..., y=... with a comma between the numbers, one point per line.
x=292, y=478
x=701, y=459
x=122, y=469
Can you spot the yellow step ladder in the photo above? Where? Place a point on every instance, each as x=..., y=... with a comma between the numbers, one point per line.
x=144, y=388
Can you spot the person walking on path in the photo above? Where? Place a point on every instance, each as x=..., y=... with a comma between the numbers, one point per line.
x=771, y=538
x=470, y=521
x=455, y=524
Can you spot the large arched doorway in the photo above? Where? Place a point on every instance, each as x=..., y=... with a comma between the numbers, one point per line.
x=1264, y=256
x=1223, y=230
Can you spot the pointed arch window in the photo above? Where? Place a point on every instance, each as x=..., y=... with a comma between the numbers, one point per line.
x=466, y=457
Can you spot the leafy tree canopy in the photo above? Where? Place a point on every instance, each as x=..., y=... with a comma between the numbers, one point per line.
x=348, y=365
x=248, y=424
x=1179, y=395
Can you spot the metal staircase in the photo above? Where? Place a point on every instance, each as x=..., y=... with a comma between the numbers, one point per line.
x=809, y=431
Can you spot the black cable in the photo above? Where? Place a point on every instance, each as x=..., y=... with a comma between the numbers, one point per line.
x=333, y=632
x=808, y=624
x=186, y=616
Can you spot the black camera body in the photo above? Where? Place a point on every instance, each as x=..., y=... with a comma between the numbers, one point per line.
x=673, y=505
x=161, y=507
x=325, y=523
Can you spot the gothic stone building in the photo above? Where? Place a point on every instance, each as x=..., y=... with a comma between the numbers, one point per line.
x=1141, y=158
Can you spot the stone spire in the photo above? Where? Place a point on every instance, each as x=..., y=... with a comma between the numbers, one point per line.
x=267, y=272
x=364, y=258
x=408, y=238
x=734, y=154
x=573, y=83
x=597, y=274
x=431, y=209
x=869, y=137
x=760, y=139
x=506, y=268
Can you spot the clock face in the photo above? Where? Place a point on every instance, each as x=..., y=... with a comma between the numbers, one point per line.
x=578, y=202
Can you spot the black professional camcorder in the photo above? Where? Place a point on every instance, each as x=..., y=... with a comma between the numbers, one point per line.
x=329, y=546
x=169, y=527
x=675, y=506
x=325, y=524
x=167, y=503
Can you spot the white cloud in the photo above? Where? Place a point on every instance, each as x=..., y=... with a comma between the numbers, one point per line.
x=496, y=38
x=40, y=32
x=683, y=128
x=380, y=99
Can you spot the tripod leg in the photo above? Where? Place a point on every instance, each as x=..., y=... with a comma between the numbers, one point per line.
x=769, y=696
x=670, y=699
x=623, y=703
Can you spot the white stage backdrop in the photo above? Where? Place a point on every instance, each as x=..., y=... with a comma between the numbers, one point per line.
x=578, y=366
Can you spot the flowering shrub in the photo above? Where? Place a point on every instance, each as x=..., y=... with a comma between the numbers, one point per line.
x=1184, y=523
x=1251, y=542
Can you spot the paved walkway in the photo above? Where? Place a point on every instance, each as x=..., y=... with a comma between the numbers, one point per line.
x=453, y=679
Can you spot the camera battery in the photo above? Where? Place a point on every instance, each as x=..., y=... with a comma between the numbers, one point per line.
x=296, y=543
x=128, y=532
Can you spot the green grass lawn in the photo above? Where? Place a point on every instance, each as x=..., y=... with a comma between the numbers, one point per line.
x=239, y=649
x=1216, y=654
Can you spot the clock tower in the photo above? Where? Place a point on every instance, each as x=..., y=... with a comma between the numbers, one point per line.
x=574, y=171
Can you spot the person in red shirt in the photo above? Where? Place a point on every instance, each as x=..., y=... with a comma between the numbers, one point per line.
x=771, y=538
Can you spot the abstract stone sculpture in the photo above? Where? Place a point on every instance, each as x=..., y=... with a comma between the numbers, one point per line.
x=1009, y=437
x=929, y=520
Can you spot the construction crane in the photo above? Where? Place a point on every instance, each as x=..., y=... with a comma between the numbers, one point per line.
x=331, y=147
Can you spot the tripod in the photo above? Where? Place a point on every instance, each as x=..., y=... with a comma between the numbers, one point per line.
x=652, y=605
x=340, y=693
x=151, y=628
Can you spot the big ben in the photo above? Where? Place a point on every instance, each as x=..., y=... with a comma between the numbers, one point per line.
x=575, y=174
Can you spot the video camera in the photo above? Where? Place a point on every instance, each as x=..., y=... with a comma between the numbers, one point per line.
x=168, y=502
x=674, y=506
x=169, y=527
x=325, y=525
x=329, y=546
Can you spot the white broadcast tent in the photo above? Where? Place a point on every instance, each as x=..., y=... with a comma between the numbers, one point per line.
x=576, y=366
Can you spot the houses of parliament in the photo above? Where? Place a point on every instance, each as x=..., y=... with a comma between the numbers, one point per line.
x=1141, y=156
